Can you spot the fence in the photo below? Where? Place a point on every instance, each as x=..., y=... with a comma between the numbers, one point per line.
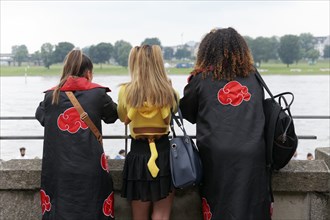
x=126, y=136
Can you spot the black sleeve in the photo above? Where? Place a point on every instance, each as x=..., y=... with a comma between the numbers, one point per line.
x=189, y=101
x=40, y=113
x=109, y=114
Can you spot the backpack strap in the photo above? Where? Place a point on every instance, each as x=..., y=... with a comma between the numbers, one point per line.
x=287, y=105
x=269, y=151
x=84, y=116
x=279, y=96
x=270, y=175
x=262, y=82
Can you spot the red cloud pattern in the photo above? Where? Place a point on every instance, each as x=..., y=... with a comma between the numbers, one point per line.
x=233, y=93
x=271, y=209
x=104, y=162
x=45, y=202
x=70, y=121
x=108, y=206
x=207, y=215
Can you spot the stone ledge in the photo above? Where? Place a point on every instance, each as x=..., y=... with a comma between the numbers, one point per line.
x=302, y=176
x=297, y=176
x=301, y=191
x=323, y=153
x=25, y=174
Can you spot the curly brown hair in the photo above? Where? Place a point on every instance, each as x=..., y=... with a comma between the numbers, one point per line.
x=225, y=54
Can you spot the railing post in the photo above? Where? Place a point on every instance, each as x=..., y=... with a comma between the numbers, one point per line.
x=126, y=140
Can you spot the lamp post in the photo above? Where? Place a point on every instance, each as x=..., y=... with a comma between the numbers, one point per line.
x=25, y=74
x=181, y=40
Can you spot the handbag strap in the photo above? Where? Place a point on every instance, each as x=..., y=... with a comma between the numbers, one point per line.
x=177, y=119
x=84, y=116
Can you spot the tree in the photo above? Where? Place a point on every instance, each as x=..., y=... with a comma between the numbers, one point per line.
x=168, y=53
x=152, y=41
x=258, y=47
x=289, y=49
x=47, y=54
x=121, y=52
x=92, y=53
x=182, y=53
x=306, y=42
x=263, y=49
x=85, y=50
x=61, y=50
x=249, y=41
x=326, y=51
x=36, y=58
x=312, y=55
x=20, y=53
x=272, y=48
x=101, y=53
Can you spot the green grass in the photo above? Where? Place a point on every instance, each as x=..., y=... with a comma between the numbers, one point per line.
x=302, y=68
x=56, y=70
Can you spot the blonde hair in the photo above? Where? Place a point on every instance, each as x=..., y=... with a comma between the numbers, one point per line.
x=75, y=64
x=132, y=58
x=149, y=80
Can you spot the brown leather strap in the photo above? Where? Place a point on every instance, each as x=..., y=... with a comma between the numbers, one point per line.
x=84, y=116
x=154, y=130
x=127, y=120
x=148, y=137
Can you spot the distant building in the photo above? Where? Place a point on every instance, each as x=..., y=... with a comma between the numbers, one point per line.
x=6, y=59
x=184, y=65
x=192, y=46
x=320, y=43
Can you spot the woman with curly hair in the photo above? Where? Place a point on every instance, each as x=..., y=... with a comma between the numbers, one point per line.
x=224, y=99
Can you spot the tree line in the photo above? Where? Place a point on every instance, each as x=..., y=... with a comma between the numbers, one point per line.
x=100, y=54
x=288, y=48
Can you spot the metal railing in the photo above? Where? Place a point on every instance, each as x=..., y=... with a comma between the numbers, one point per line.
x=24, y=137
x=13, y=137
x=126, y=136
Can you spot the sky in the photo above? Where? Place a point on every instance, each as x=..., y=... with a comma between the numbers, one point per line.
x=86, y=23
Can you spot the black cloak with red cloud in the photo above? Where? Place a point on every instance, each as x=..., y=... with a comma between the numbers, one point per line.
x=230, y=135
x=75, y=178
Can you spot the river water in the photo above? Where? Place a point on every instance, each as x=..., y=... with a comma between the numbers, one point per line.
x=21, y=95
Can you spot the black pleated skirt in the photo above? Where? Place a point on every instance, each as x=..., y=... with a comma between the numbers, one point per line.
x=138, y=184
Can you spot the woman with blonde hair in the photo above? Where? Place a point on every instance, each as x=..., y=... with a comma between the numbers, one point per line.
x=75, y=179
x=145, y=104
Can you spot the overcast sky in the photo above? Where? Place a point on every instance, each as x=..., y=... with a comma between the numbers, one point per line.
x=85, y=23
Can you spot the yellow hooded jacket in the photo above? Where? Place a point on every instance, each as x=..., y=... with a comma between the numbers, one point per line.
x=146, y=116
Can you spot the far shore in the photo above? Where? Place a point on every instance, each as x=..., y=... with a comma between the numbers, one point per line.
x=321, y=67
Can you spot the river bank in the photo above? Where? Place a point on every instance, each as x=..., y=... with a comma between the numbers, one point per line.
x=322, y=67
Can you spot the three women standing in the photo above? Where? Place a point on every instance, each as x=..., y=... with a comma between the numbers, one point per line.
x=224, y=99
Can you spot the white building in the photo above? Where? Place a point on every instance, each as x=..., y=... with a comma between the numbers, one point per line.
x=321, y=42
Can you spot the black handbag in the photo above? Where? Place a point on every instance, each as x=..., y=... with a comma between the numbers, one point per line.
x=185, y=162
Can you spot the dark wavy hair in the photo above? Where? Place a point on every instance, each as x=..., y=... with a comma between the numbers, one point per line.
x=225, y=54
